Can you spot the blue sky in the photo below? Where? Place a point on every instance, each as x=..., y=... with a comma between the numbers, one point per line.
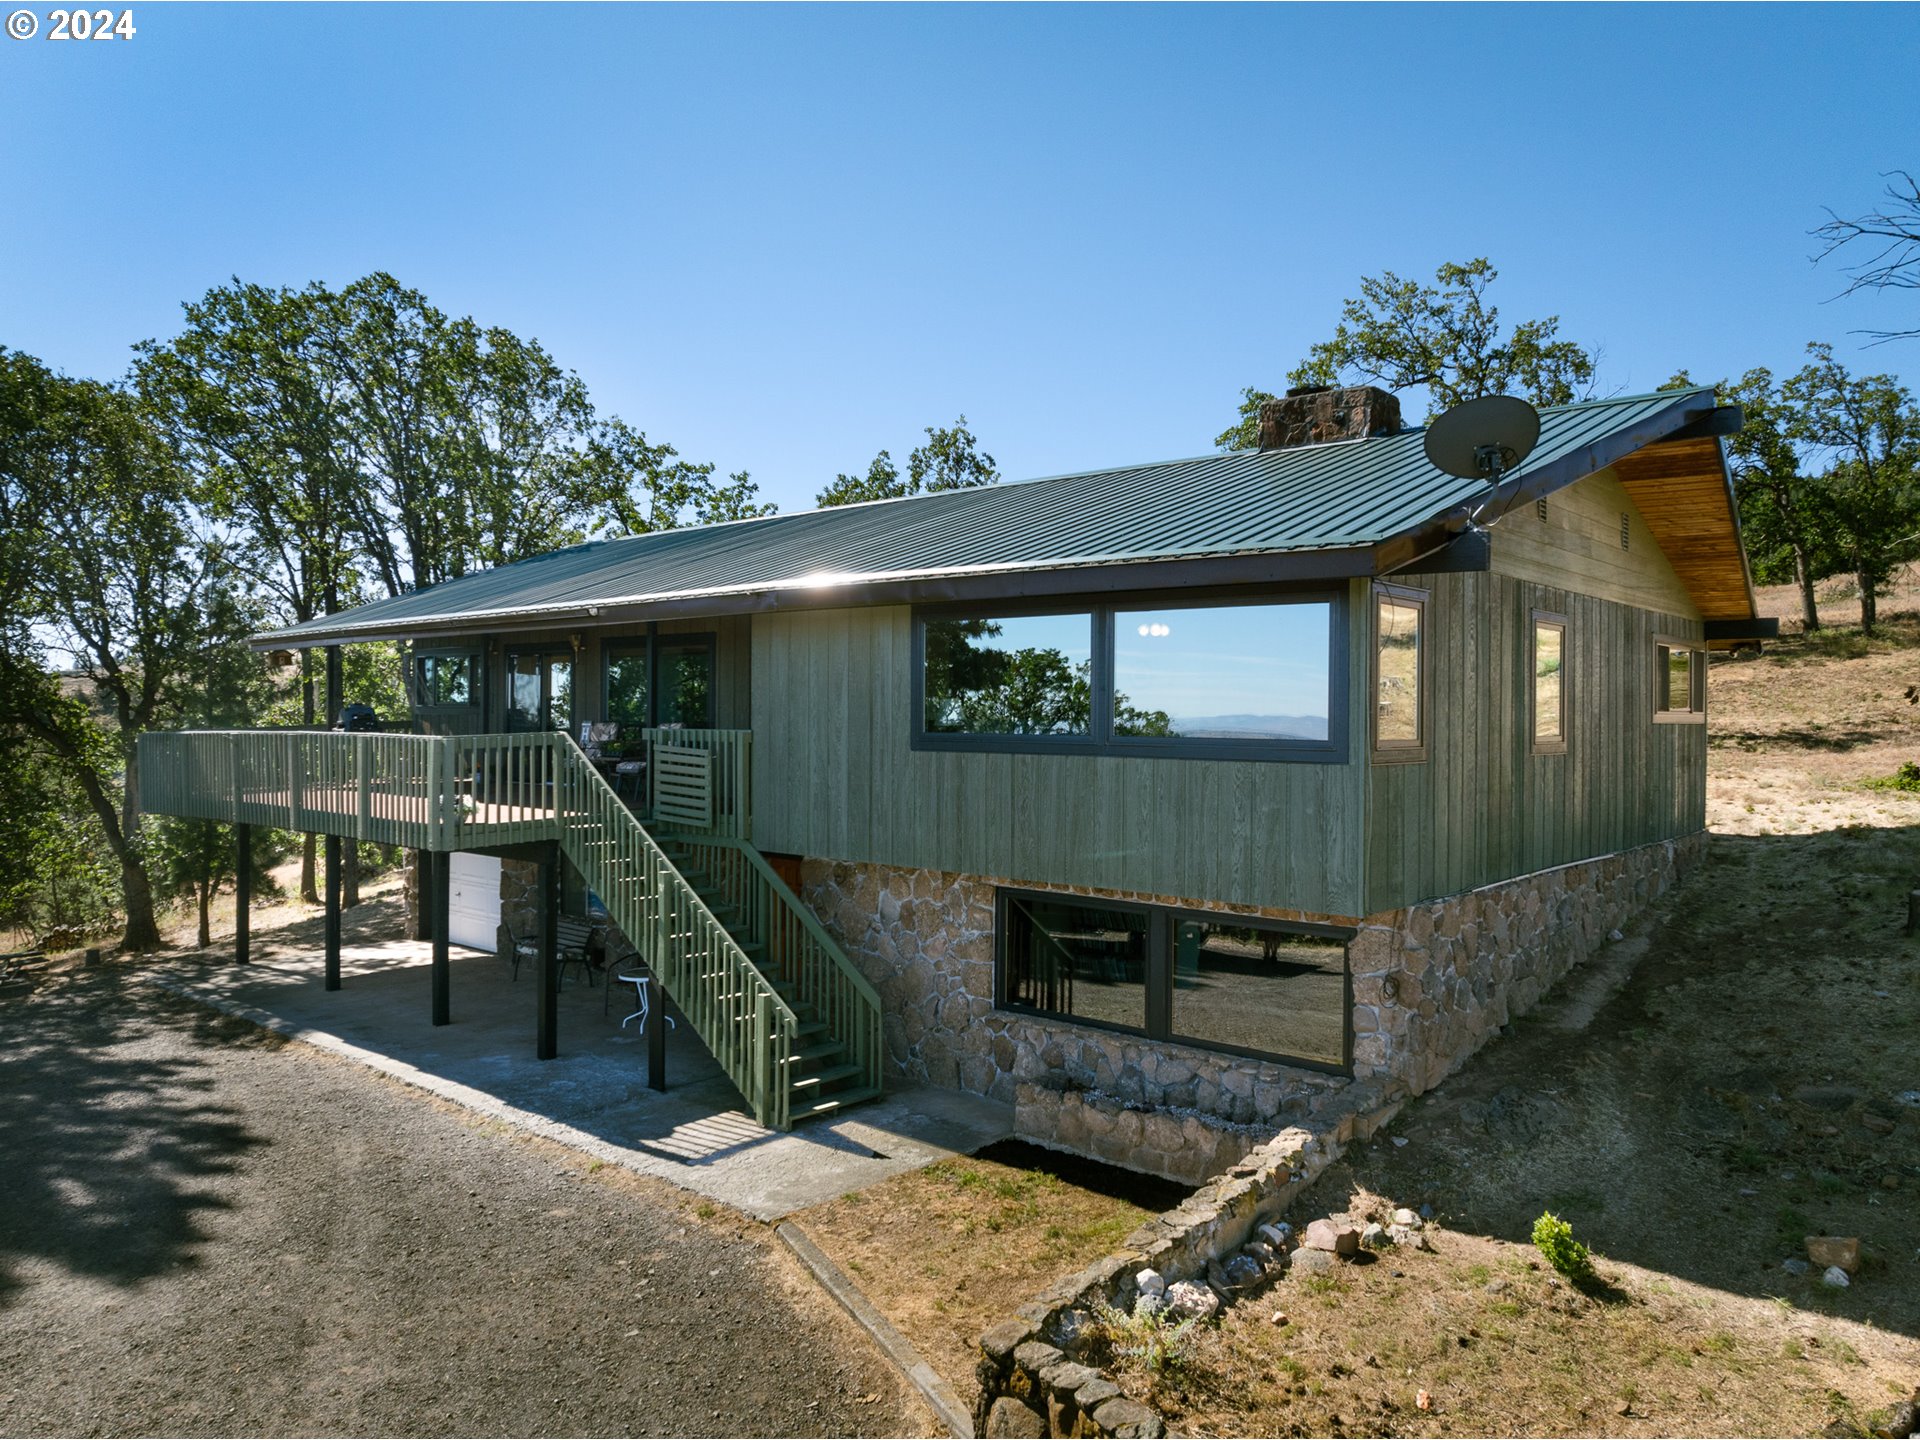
x=781, y=238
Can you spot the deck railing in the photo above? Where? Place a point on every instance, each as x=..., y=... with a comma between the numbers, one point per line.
x=468, y=791
x=714, y=797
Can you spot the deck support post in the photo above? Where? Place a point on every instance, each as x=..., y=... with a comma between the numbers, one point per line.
x=332, y=981
x=441, y=889
x=547, y=1031
x=656, y=1036
x=242, y=892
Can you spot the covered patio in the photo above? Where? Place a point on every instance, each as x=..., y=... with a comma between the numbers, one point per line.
x=595, y=1095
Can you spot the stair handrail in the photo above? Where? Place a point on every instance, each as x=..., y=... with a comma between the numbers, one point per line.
x=802, y=912
x=772, y=1107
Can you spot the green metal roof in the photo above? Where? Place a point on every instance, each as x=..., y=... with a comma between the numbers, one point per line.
x=1343, y=508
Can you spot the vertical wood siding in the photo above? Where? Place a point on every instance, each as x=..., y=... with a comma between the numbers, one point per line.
x=835, y=777
x=1484, y=807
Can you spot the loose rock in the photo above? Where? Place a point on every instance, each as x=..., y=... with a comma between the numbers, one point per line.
x=1835, y=1278
x=1150, y=1282
x=1795, y=1266
x=1190, y=1301
x=1375, y=1237
x=1406, y=1217
x=1312, y=1262
x=1842, y=1251
x=1336, y=1238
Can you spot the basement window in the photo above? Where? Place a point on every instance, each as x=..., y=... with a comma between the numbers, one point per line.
x=1680, y=682
x=1547, y=683
x=1215, y=981
x=1399, y=674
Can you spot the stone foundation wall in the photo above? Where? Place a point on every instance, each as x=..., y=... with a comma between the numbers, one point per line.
x=924, y=939
x=1431, y=984
x=1434, y=982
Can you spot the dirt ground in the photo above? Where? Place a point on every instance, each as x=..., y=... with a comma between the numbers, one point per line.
x=207, y=1231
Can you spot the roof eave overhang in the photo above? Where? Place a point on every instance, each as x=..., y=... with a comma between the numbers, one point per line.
x=1265, y=567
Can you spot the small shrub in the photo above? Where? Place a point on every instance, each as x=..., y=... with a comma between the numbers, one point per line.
x=1159, y=1344
x=1553, y=1238
x=1906, y=778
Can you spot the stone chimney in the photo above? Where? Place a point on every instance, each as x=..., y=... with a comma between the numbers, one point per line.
x=1311, y=414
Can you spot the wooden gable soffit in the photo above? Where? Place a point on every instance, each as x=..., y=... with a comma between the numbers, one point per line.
x=1682, y=490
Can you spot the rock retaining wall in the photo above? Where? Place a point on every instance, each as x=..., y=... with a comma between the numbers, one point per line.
x=1036, y=1360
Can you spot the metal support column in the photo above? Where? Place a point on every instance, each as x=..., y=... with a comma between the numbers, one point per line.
x=656, y=1035
x=547, y=1037
x=442, y=889
x=242, y=891
x=332, y=849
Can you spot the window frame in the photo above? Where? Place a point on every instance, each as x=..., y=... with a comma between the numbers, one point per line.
x=1695, y=712
x=1398, y=752
x=420, y=693
x=1162, y=924
x=1556, y=744
x=1100, y=739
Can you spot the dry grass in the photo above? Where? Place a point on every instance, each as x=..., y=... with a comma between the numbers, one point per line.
x=1501, y=1346
x=949, y=1250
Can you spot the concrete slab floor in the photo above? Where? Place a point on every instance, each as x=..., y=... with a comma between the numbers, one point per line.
x=594, y=1096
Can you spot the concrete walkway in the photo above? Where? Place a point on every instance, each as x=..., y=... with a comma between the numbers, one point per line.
x=594, y=1096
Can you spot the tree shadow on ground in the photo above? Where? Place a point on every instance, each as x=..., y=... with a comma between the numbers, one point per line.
x=1743, y=1089
x=1838, y=739
x=109, y=1135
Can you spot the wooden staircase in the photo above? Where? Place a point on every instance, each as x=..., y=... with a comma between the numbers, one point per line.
x=823, y=1075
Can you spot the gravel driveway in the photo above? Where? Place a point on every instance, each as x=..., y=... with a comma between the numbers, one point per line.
x=206, y=1230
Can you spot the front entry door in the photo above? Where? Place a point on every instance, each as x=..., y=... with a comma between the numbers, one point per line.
x=540, y=690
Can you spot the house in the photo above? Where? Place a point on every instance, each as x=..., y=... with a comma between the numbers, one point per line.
x=1161, y=801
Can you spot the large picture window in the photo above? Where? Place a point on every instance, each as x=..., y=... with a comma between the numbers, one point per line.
x=1216, y=981
x=1228, y=679
x=1009, y=675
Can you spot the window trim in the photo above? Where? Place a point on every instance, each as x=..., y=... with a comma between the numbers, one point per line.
x=1162, y=921
x=1100, y=739
x=1556, y=744
x=1696, y=711
x=1398, y=752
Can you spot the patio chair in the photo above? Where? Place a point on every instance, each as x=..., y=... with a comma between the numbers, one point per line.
x=573, y=939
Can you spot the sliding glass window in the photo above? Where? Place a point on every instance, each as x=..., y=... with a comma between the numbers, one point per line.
x=1216, y=981
x=1224, y=679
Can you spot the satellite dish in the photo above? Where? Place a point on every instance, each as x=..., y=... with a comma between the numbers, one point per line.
x=1483, y=439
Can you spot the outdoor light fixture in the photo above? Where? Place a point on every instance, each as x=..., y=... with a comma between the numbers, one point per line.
x=280, y=659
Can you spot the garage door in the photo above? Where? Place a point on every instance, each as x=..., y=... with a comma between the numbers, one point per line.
x=473, y=900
